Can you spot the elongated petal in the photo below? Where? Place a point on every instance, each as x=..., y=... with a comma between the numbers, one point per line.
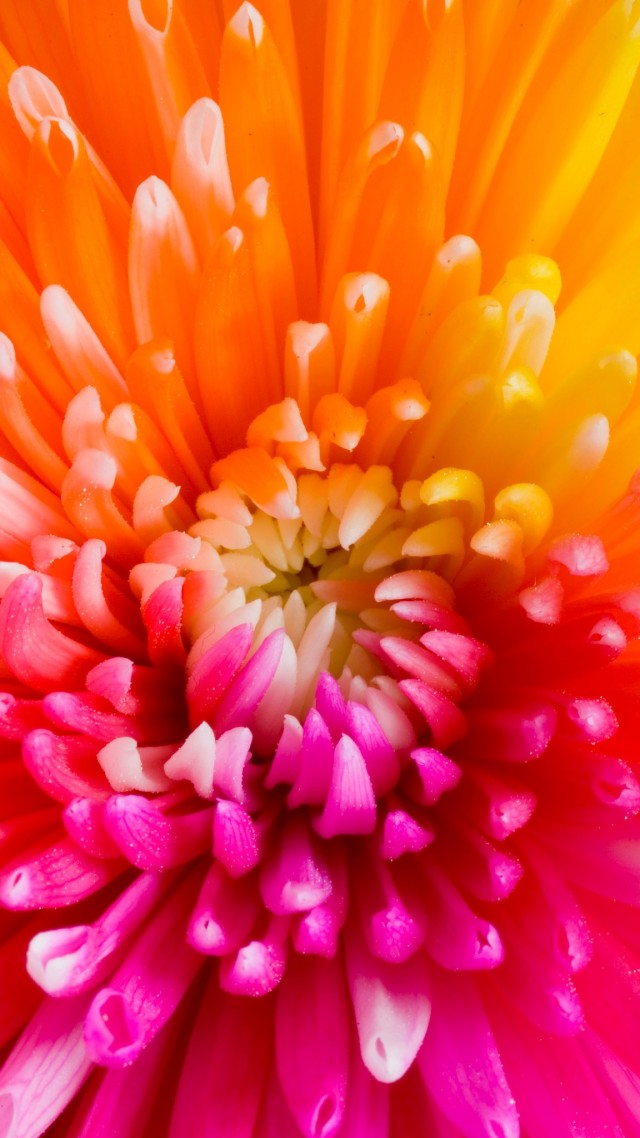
x=312, y=1044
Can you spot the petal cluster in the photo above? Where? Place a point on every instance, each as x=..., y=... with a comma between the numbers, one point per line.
x=319, y=597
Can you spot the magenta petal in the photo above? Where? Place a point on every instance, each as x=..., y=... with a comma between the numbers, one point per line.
x=351, y=804
x=37, y=653
x=45, y=1070
x=461, y=1065
x=215, y=670
x=318, y=931
x=129, y=1096
x=312, y=1044
x=64, y=765
x=251, y=684
x=380, y=757
x=225, y=1068
x=331, y=705
x=259, y=965
x=58, y=876
x=444, y=718
x=294, y=876
x=237, y=839
x=429, y=775
x=286, y=761
x=315, y=763
x=224, y=914
x=65, y=962
x=392, y=1006
x=84, y=822
x=456, y=937
x=148, y=986
x=150, y=839
x=367, y=1110
x=402, y=833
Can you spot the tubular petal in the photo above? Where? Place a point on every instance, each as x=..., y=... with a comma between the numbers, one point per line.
x=312, y=1045
x=461, y=1065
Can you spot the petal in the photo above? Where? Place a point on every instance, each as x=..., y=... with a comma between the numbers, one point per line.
x=312, y=1044
x=461, y=1065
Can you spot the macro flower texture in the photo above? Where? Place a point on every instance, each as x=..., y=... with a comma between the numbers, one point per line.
x=320, y=569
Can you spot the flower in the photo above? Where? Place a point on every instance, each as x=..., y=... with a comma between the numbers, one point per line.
x=319, y=569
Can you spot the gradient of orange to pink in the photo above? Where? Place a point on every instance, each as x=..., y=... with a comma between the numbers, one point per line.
x=320, y=569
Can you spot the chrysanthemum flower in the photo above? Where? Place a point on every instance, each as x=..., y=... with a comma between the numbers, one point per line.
x=320, y=568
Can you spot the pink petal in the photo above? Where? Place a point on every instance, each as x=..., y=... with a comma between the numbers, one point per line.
x=294, y=876
x=194, y=760
x=377, y=752
x=258, y=966
x=445, y=720
x=45, y=1070
x=315, y=763
x=162, y=615
x=65, y=962
x=466, y=656
x=430, y=775
x=312, y=1044
x=593, y=720
x=237, y=838
x=487, y=873
x=318, y=931
x=497, y=806
x=150, y=839
x=331, y=705
x=225, y=1068
x=84, y=823
x=59, y=876
x=64, y=765
x=581, y=555
x=37, y=654
x=390, y=909
x=224, y=914
x=251, y=684
x=456, y=938
x=350, y=807
x=392, y=1006
x=461, y=1065
x=215, y=670
x=286, y=760
x=402, y=833
x=148, y=986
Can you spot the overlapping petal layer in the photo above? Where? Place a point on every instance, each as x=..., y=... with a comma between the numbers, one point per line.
x=319, y=581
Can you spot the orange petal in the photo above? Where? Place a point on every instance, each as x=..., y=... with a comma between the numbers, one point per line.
x=265, y=136
x=68, y=232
